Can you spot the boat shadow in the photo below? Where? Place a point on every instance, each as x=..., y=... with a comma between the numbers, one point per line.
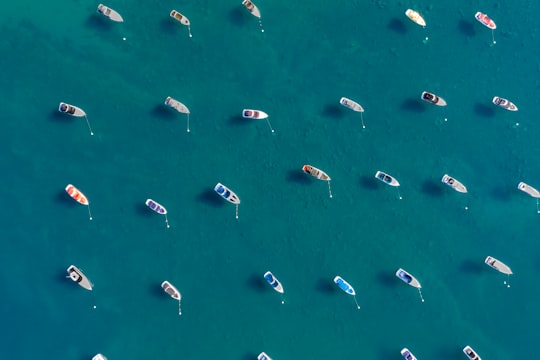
x=237, y=16
x=387, y=279
x=63, y=198
x=471, y=267
x=326, y=286
x=502, y=193
x=298, y=177
x=163, y=112
x=483, y=110
x=432, y=188
x=249, y=356
x=56, y=115
x=142, y=210
x=209, y=196
x=368, y=182
x=414, y=105
x=256, y=282
x=157, y=291
x=168, y=26
x=466, y=28
x=99, y=22
x=334, y=111
x=238, y=120
x=397, y=25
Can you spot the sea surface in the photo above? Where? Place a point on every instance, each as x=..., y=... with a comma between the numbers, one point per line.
x=310, y=54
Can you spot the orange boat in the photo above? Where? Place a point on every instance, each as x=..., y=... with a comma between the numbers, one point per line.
x=76, y=194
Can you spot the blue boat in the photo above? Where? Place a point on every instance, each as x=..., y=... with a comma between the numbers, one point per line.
x=345, y=286
x=273, y=281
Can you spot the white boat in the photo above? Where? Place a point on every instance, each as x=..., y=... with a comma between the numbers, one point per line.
x=316, y=173
x=176, y=105
x=416, y=17
x=274, y=282
x=387, y=179
x=77, y=275
x=71, y=110
x=529, y=190
x=407, y=278
x=99, y=357
x=498, y=265
x=433, y=99
x=181, y=19
x=351, y=104
x=226, y=193
x=471, y=354
x=407, y=354
x=453, y=183
x=252, y=8
x=254, y=114
x=504, y=103
x=110, y=13
x=263, y=356
x=173, y=292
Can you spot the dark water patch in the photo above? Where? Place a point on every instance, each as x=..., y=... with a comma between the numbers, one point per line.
x=63, y=198
x=298, y=176
x=466, y=28
x=397, y=26
x=237, y=17
x=432, y=188
x=484, y=110
x=387, y=279
x=99, y=22
x=334, y=111
x=368, y=182
x=238, y=120
x=164, y=112
x=209, y=197
x=325, y=285
x=471, y=267
x=502, y=193
x=257, y=283
x=413, y=105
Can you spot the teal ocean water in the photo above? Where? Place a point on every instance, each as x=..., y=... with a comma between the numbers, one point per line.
x=310, y=55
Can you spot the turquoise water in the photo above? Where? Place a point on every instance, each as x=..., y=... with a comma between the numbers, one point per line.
x=310, y=55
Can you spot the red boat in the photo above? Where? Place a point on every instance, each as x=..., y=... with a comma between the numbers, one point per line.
x=485, y=20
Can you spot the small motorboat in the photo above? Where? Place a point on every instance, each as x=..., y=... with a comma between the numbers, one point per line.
x=174, y=293
x=263, y=356
x=273, y=281
x=387, y=179
x=178, y=106
x=433, y=99
x=77, y=275
x=471, y=354
x=498, y=265
x=416, y=17
x=110, y=13
x=71, y=110
x=254, y=114
x=407, y=354
x=181, y=19
x=485, y=20
x=351, y=104
x=526, y=188
x=77, y=195
x=99, y=357
x=504, y=103
x=453, y=183
x=316, y=173
x=227, y=193
x=408, y=279
x=345, y=286
x=160, y=209
x=252, y=8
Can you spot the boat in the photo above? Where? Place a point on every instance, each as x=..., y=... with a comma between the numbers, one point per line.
x=416, y=17
x=171, y=290
x=71, y=110
x=387, y=179
x=254, y=114
x=273, y=281
x=351, y=104
x=504, y=103
x=345, y=286
x=263, y=356
x=471, y=354
x=176, y=105
x=110, y=13
x=181, y=19
x=485, y=20
x=252, y=8
x=453, y=183
x=160, y=209
x=77, y=275
x=226, y=193
x=408, y=278
x=433, y=99
x=316, y=173
x=99, y=357
x=529, y=190
x=407, y=354
x=498, y=265
x=77, y=195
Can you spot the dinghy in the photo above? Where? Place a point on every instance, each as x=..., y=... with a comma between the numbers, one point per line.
x=416, y=17
x=407, y=354
x=71, y=110
x=453, y=183
x=274, y=282
x=345, y=286
x=387, y=179
x=254, y=114
x=77, y=276
x=181, y=19
x=78, y=196
x=318, y=174
x=528, y=189
x=160, y=209
x=433, y=99
x=252, y=8
x=178, y=106
x=110, y=13
x=498, y=265
x=504, y=103
x=485, y=20
x=228, y=195
x=408, y=279
x=173, y=292
x=99, y=357
x=350, y=104
x=263, y=356
x=471, y=354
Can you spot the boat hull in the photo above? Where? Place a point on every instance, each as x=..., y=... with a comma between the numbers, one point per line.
x=528, y=189
x=226, y=193
x=433, y=99
x=263, y=356
x=180, y=18
x=387, y=179
x=77, y=276
x=316, y=173
x=485, y=20
x=415, y=17
x=273, y=282
x=504, y=103
x=344, y=285
x=99, y=357
x=471, y=354
x=407, y=278
x=252, y=8
x=453, y=183
x=110, y=13
x=498, y=265
x=71, y=110
x=254, y=114
x=171, y=290
x=176, y=105
x=407, y=354
x=160, y=209
x=351, y=104
x=77, y=195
